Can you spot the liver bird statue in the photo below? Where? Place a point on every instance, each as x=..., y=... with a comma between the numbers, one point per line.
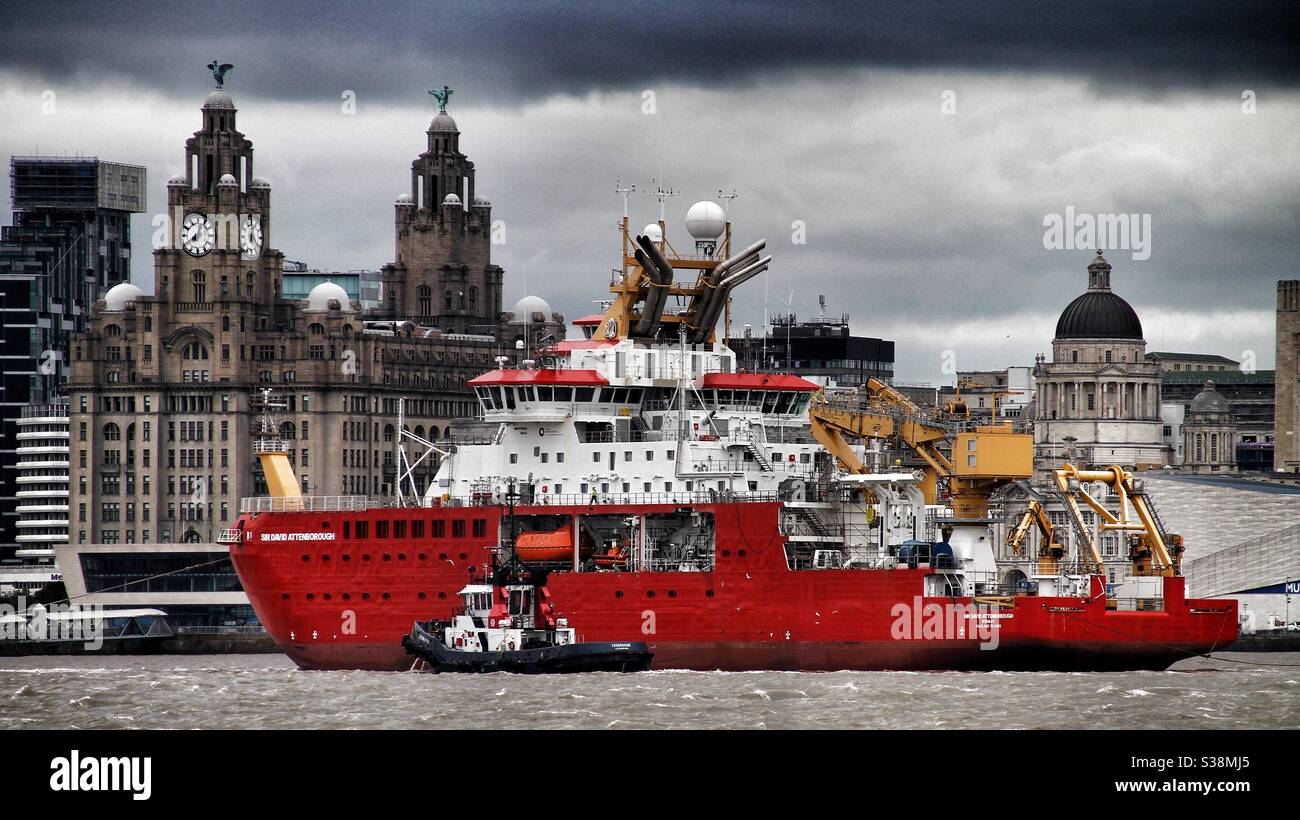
x=441, y=96
x=219, y=71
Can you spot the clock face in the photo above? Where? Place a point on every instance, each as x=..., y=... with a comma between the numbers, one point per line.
x=197, y=234
x=250, y=236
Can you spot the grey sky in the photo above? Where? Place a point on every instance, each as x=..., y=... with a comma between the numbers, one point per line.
x=925, y=226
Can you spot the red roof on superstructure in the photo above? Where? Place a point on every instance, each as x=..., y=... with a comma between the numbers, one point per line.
x=757, y=381
x=579, y=377
x=590, y=319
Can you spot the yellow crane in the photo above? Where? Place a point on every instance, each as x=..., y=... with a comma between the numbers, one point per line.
x=1150, y=550
x=1050, y=550
x=983, y=458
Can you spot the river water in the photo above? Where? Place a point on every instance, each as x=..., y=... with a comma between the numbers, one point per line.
x=268, y=692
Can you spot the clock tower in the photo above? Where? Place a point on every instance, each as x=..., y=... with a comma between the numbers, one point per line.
x=220, y=218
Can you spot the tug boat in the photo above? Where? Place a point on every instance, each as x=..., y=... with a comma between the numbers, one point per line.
x=495, y=632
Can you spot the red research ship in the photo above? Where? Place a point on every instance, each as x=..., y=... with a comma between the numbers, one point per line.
x=723, y=517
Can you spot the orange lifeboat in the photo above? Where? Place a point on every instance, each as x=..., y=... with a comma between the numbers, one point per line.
x=556, y=545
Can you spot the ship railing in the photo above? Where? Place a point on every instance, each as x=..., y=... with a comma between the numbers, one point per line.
x=230, y=535
x=1137, y=604
x=308, y=503
x=707, y=496
x=700, y=564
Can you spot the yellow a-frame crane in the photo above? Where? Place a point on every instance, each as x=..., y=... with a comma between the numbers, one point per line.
x=983, y=458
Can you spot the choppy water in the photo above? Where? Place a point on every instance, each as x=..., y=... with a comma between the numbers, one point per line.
x=267, y=692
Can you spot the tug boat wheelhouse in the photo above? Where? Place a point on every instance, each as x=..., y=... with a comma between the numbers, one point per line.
x=729, y=520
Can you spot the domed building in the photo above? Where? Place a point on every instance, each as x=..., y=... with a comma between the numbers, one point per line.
x=1098, y=400
x=1209, y=433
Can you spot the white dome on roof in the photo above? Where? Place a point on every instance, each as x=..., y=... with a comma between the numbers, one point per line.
x=121, y=295
x=451, y=199
x=227, y=179
x=219, y=99
x=654, y=232
x=259, y=182
x=404, y=199
x=528, y=308
x=328, y=296
x=179, y=179
x=706, y=220
x=481, y=201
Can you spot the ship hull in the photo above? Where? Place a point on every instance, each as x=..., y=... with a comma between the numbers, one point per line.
x=339, y=603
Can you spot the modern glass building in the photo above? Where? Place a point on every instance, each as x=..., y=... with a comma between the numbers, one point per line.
x=70, y=241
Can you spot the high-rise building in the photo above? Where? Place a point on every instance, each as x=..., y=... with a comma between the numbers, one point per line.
x=42, y=478
x=69, y=242
x=1286, y=436
x=822, y=349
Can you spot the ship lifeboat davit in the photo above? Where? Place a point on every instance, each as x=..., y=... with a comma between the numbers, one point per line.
x=541, y=546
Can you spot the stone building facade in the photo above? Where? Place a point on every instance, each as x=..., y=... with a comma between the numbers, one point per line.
x=1209, y=433
x=1098, y=400
x=443, y=274
x=162, y=387
x=1286, y=435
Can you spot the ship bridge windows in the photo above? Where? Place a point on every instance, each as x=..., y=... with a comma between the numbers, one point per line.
x=768, y=402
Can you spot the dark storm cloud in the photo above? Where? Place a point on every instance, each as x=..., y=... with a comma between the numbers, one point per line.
x=299, y=50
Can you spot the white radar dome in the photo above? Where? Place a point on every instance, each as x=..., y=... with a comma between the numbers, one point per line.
x=706, y=220
x=652, y=231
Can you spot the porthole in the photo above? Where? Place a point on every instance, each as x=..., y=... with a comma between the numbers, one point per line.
x=347, y=557
x=708, y=593
x=442, y=556
x=618, y=593
x=649, y=593
x=388, y=556
x=365, y=557
x=347, y=596
x=401, y=556
x=424, y=556
x=306, y=557
x=464, y=556
x=284, y=596
x=672, y=593
x=365, y=596
x=385, y=596
x=741, y=553
x=726, y=553
x=422, y=595
x=325, y=557
x=311, y=596
x=442, y=596
x=326, y=596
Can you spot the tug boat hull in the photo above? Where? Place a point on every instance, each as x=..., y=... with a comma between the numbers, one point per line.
x=609, y=656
